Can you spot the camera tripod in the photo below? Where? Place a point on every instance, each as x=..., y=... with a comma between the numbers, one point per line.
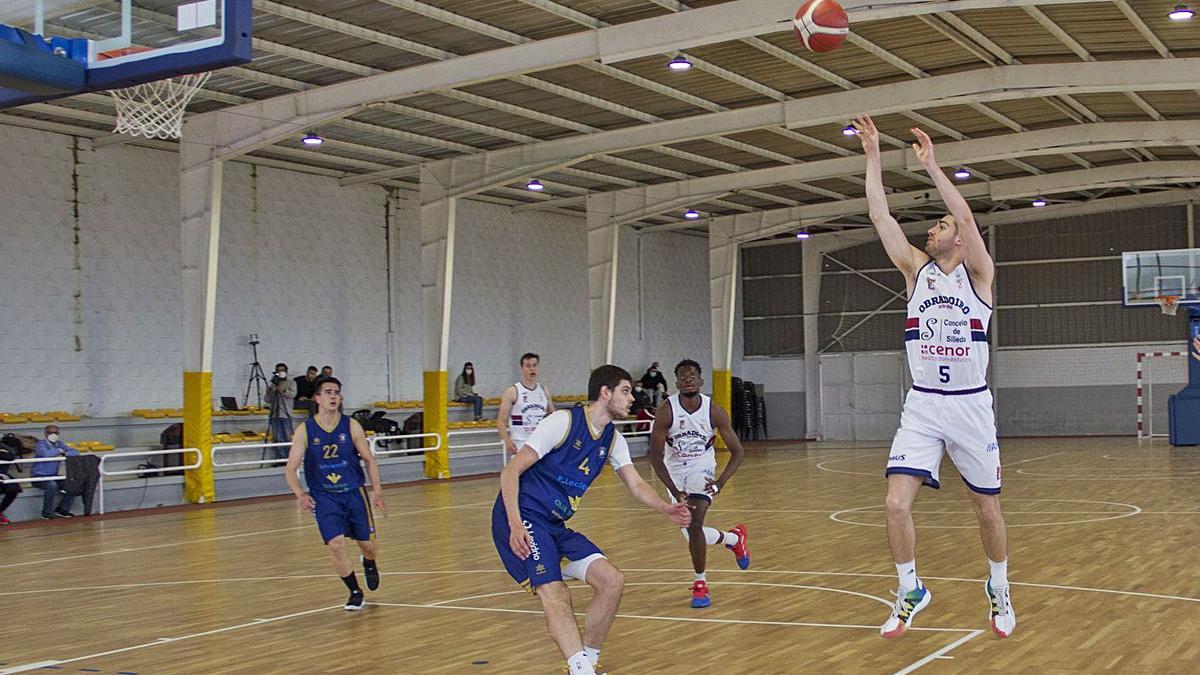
x=258, y=379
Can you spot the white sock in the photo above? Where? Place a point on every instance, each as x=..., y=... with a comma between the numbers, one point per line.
x=593, y=654
x=908, y=575
x=578, y=664
x=999, y=573
x=730, y=539
x=700, y=576
x=711, y=536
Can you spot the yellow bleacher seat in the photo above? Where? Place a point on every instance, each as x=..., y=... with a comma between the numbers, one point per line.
x=457, y=425
x=40, y=417
x=13, y=419
x=495, y=400
x=140, y=411
x=456, y=404
x=64, y=416
x=220, y=413
x=155, y=415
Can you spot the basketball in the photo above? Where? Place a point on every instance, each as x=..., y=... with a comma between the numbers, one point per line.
x=821, y=25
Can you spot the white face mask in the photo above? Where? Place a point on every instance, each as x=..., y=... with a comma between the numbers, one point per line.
x=53, y=438
x=281, y=373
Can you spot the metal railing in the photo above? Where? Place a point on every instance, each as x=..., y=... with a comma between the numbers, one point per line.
x=374, y=440
x=32, y=479
x=270, y=461
x=142, y=471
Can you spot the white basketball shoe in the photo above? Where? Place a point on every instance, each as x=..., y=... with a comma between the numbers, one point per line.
x=1003, y=616
x=907, y=606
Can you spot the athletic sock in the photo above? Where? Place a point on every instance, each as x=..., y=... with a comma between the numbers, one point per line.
x=593, y=654
x=351, y=583
x=908, y=575
x=731, y=539
x=578, y=664
x=999, y=573
x=368, y=563
x=700, y=576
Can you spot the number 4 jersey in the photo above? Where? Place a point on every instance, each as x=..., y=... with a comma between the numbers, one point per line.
x=946, y=332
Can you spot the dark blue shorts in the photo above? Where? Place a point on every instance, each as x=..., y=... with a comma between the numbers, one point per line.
x=552, y=543
x=344, y=514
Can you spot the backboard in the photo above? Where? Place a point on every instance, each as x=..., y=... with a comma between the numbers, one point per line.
x=56, y=48
x=1151, y=275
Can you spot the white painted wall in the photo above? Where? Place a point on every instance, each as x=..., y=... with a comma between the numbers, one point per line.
x=92, y=292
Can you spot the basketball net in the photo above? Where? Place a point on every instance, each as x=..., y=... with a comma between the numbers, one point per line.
x=155, y=109
x=1167, y=303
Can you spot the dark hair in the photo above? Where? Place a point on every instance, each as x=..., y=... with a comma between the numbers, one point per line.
x=281, y=365
x=320, y=381
x=528, y=355
x=606, y=376
x=469, y=378
x=329, y=367
x=685, y=363
x=312, y=368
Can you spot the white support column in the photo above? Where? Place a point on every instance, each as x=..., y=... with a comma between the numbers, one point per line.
x=200, y=214
x=438, y=219
x=603, y=247
x=811, y=276
x=723, y=256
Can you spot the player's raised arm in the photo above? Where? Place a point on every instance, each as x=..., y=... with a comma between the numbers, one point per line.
x=663, y=418
x=906, y=257
x=979, y=262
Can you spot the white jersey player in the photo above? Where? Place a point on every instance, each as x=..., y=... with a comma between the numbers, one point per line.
x=949, y=408
x=682, y=454
x=523, y=405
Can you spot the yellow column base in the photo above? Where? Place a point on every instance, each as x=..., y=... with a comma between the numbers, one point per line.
x=722, y=382
x=198, y=485
x=437, y=399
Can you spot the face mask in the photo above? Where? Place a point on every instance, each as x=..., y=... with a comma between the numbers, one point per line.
x=53, y=438
x=281, y=373
x=470, y=370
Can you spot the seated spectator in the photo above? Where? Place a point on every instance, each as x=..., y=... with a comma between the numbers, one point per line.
x=305, y=388
x=326, y=371
x=464, y=389
x=641, y=399
x=48, y=447
x=8, y=491
x=654, y=382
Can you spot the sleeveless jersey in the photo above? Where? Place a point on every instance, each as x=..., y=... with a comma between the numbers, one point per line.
x=691, y=435
x=554, y=485
x=331, y=463
x=946, y=332
x=528, y=409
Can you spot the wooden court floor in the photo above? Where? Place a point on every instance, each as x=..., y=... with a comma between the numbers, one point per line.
x=1104, y=540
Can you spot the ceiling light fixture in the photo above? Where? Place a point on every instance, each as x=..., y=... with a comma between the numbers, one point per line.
x=803, y=234
x=1181, y=13
x=680, y=63
x=849, y=130
x=535, y=185
x=691, y=214
x=962, y=173
x=312, y=140
x=1038, y=202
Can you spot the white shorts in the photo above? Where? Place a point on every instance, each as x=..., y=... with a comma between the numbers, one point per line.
x=964, y=426
x=693, y=475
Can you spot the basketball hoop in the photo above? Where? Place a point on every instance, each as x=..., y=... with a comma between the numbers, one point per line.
x=154, y=109
x=1167, y=303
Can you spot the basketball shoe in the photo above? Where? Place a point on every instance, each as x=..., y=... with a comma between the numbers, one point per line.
x=355, y=603
x=741, y=550
x=370, y=573
x=1004, y=617
x=907, y=606
x=700, y=594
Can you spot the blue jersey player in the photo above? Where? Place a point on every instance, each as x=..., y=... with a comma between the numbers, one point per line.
x=542, y=487
x=330, y=446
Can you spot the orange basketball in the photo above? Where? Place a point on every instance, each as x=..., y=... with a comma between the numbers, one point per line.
x=821, y=25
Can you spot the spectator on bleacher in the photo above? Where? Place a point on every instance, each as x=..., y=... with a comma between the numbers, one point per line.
x=305, y=388
x=654, y=382
x=8, y=491
x=641, y=399
x=464, y=389
x=48, y=447
x=279, y=417
x=326, y=371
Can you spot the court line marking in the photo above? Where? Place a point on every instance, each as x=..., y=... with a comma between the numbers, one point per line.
x=1115, y=515
x=939, y=654
x=690, y=619
x=163, y=641
x=1174, y=476
x=223, y=537
x=885, y=603
x=821, y=466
